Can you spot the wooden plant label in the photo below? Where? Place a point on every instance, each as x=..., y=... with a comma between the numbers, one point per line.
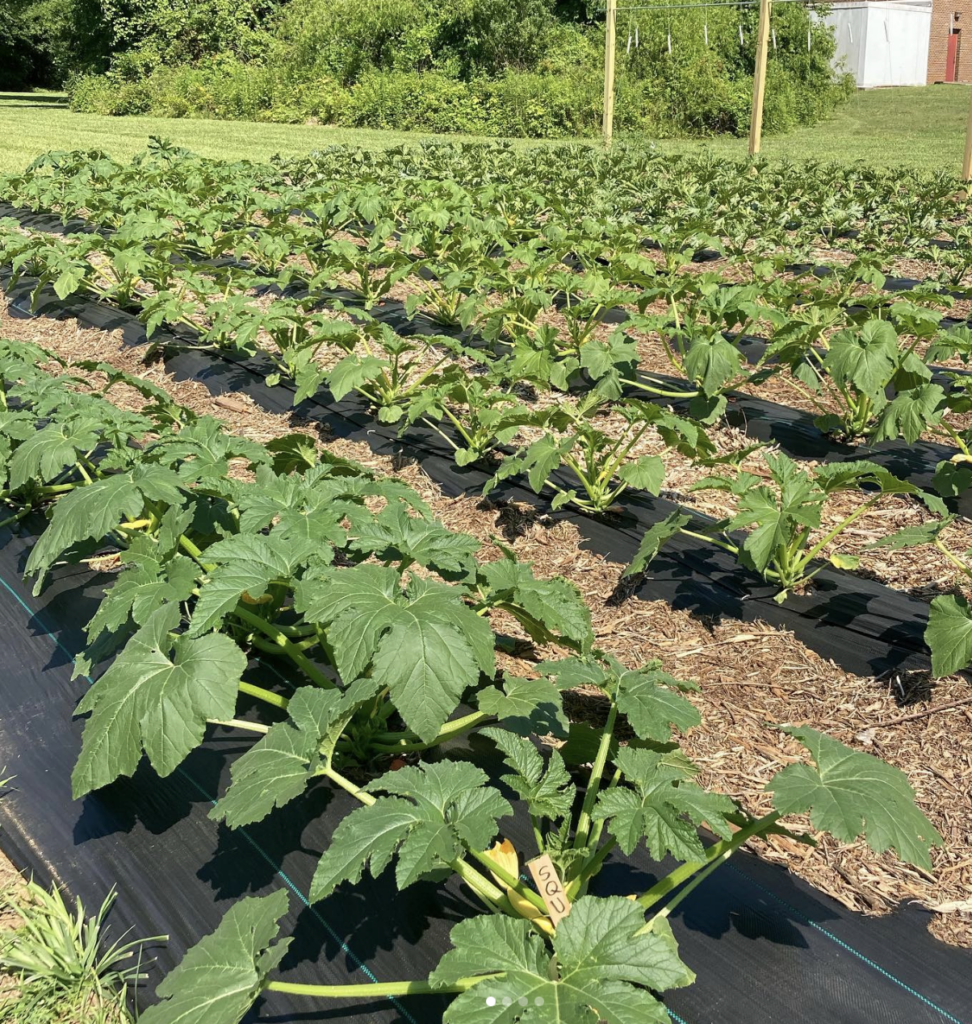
x=551, y=889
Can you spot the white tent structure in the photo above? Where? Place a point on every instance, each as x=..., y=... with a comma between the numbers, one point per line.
x=883, y=42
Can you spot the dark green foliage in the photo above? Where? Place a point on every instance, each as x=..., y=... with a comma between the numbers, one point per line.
x=487, y=67
x=45, y=42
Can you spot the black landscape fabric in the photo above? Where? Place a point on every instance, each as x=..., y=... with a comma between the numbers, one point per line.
x=864, y=626
x=767, y=947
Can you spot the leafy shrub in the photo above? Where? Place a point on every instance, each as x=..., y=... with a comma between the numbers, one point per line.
x=101, y=94
x=519, y=68
x=549, y=106
x=410, y=100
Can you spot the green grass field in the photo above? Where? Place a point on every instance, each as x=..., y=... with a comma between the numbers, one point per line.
x=917, y=127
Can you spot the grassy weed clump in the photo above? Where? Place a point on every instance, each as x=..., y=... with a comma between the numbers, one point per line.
x=60, y=964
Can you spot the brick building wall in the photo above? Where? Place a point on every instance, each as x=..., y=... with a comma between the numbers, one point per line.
x=956, y=14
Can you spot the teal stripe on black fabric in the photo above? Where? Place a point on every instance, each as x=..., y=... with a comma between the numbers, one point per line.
x=281, y=874
x=359, y=964
x=854, y=952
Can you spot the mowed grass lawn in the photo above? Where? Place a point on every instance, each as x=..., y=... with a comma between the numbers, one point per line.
x=915, y=127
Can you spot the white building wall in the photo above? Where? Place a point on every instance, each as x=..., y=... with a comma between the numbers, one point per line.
x=883, y=42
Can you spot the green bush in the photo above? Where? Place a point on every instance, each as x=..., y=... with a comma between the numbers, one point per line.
x=483, y=67
x=546, y=106
x=412, y=100
x=517, y=104
x=101, y=94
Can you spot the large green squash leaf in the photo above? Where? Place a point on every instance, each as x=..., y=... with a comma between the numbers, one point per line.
x=156, y=696
x=546, y=787
x=51, y=450
x=431, y=811
x=650, y=699
x=279, y=766
x=949, y=634
x=423, y=643
x=663, y=807
x=526, y=706
x=91, y=512
x=395, y=536
x=605, y=965
x=221, y=976
x=849, y=793
x=245, y=565
x=554, y=603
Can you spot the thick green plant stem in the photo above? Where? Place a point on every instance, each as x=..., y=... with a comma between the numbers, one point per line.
x=388, y=744
x=731, y=548
x=387, y=988
x=598, y=826
x=583, y=831
x=840, y=527
x=238, y=723
x=15, y=518
x=292, y=651
x=953, y=558
x=510, y=880
x=267, y=696
x=590, y=867
x=955, y=437
x=194, y=553
x=716, y=855
x=349, y=787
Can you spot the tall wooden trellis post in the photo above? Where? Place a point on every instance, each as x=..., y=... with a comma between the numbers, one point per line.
x=759, y=78
x=610, y=31
x=967, y=159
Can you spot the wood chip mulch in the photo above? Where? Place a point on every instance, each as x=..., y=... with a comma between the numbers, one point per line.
x=751, y=675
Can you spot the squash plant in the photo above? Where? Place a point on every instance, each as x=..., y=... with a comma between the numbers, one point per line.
x=450, y=287
x=949, y=630
x=391, y=371
x=609, y=958
x=293, y=338
x=785, y=512
x=699, y=337
x=380, y=657
x=847, y=376
x=601, y=462
x=255, y=559
x=473, y=417
x=451, y=270
x=369, y=270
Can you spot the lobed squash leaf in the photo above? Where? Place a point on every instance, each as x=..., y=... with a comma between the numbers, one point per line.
x=606, y=967
x=849, y=794
x=220, y=977
x=156, y=696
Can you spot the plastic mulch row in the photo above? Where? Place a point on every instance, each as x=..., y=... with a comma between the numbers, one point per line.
x=767, y=946
x=864, y=626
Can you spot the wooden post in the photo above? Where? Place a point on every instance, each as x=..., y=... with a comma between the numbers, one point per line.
x=967, y=161
x=609, y=48
x=759, y=78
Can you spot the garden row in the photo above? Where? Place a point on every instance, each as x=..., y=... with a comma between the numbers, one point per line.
x=526, y=302
x=233, y=549
x=739, y=205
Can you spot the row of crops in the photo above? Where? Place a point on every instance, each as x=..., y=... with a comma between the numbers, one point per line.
x=553, y=315
x=581, y=322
